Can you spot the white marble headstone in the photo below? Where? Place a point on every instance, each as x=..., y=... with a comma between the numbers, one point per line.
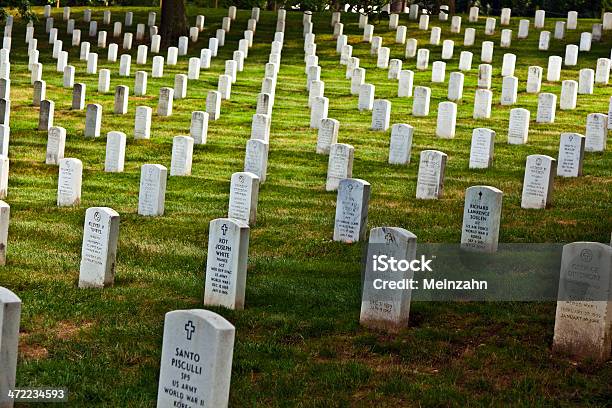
x=351, y=210
x=387, y=309
x=99, y=251
x=538, y=181
x=481, y=218
x=430, y=178
x=196, y=360
x=152, y=193
x=226, y=263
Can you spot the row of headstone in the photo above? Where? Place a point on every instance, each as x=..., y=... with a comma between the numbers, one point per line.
x=228, y=243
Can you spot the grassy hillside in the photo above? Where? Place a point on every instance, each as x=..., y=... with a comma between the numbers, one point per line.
x=298, y=342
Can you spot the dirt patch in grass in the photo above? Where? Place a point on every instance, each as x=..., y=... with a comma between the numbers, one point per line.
x=66, y=330
x=32, y=352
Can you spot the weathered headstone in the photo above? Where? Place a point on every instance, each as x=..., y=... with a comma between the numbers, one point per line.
x=400, y=145
x=411, y=48
x=538, y=182
x=486, y=54
x=430, y=178
x=506, y=38
x=165, y=103
x=534, y=79
x=140, y=83
x=152, y=193
x=69, y=182
x=121, y=99
x=157, y=70
x=404, y=87
x=540, y=16
x=544, y=41
x=482, y=104
x=142, y=122
x=318, y=111
x=420, y=101
x=602, y=73
x=547, y=106
x=5, y=134
x=438, y=72
x=4, y=176
x=387, y=309
x=569, y=95
x=244, y=193
x=56, y=142
x=447, y=119
x=93, y=120
x=260, y=127
x=124, y=65
x=104, y=81
x=583, y=321
x=352, y=202
x=340, y=165
x=213, y=104
x=485, y=72
x=481, y=148
x=596, y=132
x=508, y=64
x=381, y=115
x=45, y=118
x=469, y=37
x=518, y=126
x=395, y=66
x=99, y=251
x=455, y=86
x=92, y=63
x=115, y=152
x=571, y=155
x=465, y=61
x=224, y=86
x=256, y=158
x=327, y=135
x=40, y=92
x=366, y=97
x=182, y=156
x=180, y=87
x=434, y=37
x=523, y=29
x=78, y=96
x=198, y=129
x=422, y=59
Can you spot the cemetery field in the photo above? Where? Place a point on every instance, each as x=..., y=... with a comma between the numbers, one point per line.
x=298, y=340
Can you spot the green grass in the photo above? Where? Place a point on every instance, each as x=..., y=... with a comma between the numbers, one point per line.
x=298, y=342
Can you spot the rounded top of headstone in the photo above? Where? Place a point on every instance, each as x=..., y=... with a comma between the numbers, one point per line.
x=6, y=296
x=224, y=224
x=480, y=188
x=352, y=181
x=96, y=212
x=390, y=234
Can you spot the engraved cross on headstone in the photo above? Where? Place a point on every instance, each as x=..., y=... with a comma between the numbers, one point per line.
x=224, y=229
x=189, y=329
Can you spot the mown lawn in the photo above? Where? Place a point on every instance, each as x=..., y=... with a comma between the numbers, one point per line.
x=298, y=342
